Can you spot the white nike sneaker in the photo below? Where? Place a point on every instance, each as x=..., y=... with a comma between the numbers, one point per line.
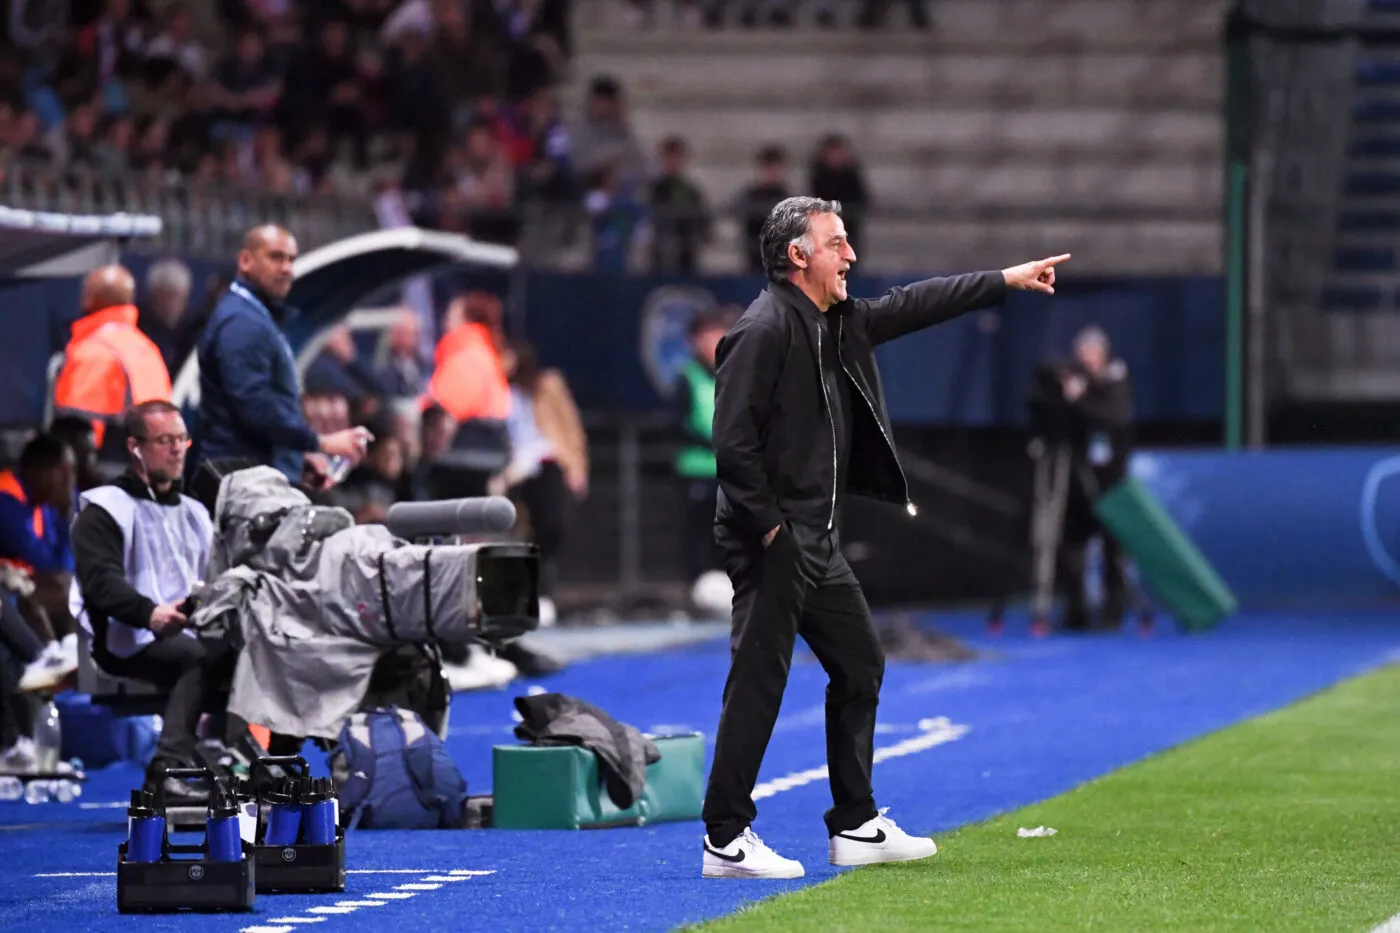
x=747, y=857
x=878, y=840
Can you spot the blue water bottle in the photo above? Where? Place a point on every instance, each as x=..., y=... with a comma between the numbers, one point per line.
x=221, y=836
x=318, y=813
x=145, y=829
x=284, y=817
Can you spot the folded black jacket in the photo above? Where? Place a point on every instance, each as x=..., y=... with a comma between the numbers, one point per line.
x=623, y=752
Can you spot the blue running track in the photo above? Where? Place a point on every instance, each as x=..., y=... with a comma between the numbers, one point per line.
x=1041, y=717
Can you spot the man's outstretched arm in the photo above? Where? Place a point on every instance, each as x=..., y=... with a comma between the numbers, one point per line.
x=905, y=309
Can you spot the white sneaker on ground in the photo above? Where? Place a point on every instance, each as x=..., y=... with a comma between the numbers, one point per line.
x=747, y=857
x=878, y=840
x=47, y=670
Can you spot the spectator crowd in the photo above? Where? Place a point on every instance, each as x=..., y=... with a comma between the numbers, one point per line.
x=451, y=106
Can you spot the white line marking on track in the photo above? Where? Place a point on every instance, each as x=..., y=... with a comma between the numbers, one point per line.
x=1390, y=926
x=429, y=881
x=469, y=872
x=403, y=871
x=935, y=732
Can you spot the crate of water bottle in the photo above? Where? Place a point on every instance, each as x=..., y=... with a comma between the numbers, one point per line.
x=157, y=875
x=298, y=844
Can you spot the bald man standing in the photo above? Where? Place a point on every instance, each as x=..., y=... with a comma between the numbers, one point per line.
x=249, y=393
x=109, y=365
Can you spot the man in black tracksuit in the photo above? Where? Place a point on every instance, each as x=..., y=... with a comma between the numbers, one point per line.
x=799, y=421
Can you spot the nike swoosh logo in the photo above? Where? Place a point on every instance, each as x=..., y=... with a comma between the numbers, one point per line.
x=726, y=858
x=876, y=839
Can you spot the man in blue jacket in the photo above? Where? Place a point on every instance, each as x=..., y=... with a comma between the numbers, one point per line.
x=250, y=400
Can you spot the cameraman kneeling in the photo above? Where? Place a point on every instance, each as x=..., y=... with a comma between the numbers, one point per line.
x=140, y=546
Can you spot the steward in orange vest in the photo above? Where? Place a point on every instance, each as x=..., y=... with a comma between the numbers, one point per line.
x=109, y=365
x=469, y=378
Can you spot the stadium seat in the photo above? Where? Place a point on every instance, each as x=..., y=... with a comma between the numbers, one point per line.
x=1376, y=111
x=1368, y=221
x=1372, y=183
x=1378, y=72
x=1344, y=298
x=1375, y=147
x=123, y=696
x=1363, y=259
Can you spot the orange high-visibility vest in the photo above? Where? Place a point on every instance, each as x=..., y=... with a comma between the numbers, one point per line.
x=108, y=366
x=9, y=486
x=469, y=380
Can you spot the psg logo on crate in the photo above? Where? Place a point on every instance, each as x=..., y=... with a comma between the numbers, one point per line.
x=665, y=339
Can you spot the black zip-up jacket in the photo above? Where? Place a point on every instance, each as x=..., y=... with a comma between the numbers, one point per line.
x=772, y=438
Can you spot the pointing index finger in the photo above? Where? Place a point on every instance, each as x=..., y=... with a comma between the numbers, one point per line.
x=1055, y=260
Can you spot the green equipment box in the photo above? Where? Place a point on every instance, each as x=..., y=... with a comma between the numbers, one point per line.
x=559, y=787
x=1166, y=558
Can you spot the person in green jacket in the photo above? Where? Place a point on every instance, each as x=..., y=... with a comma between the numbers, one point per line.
x=695, y=461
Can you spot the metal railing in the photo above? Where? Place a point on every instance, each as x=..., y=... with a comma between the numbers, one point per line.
x=200, y=219
x=208, y=220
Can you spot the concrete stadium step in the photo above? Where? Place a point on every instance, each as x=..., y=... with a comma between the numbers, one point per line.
x=1204, y=156
x=1101, y=246
x=1022, y=181
x=901, y=77
x=1135, y=246
x=1350, y=298
x=929, y=128
x=964, y=24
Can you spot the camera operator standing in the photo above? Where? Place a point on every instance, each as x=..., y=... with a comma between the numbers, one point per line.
x=1098, y=394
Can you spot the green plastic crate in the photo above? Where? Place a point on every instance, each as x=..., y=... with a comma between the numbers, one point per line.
x=559, y=787
x=1166, y=558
